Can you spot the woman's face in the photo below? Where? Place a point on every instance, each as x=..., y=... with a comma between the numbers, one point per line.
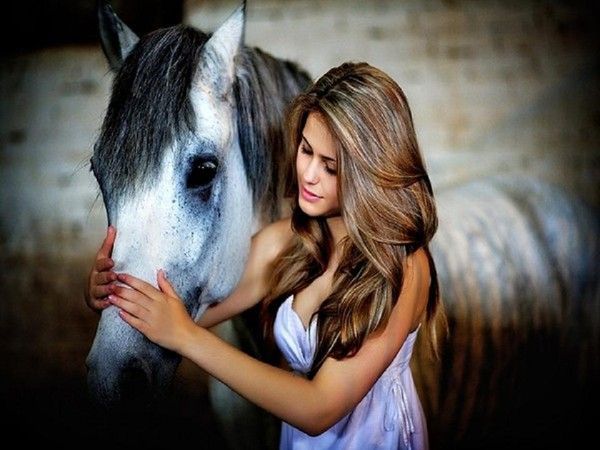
x=316, y=169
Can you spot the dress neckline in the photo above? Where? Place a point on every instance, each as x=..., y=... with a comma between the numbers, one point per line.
x=306, y=329
x=313, y=320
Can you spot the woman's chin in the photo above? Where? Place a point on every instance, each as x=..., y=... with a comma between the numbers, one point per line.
x=310, y=209
x=316, y=210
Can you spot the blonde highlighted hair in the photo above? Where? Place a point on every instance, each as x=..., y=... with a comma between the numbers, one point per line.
x=386, y=202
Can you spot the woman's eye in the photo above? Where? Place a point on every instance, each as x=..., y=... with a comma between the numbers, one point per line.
x=202, y=173
x=330, y=171
x=305, y=150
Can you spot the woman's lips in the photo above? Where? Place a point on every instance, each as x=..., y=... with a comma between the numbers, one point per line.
x=309, y=196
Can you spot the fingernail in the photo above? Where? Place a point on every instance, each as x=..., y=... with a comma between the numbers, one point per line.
x=121, y=277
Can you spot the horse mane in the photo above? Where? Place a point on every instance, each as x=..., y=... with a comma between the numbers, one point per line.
x=150, y=106
x=264, y=87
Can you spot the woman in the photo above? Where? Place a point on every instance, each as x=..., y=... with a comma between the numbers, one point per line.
x=345, y=283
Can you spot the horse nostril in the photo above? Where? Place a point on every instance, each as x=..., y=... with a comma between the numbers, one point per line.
x=135, y=384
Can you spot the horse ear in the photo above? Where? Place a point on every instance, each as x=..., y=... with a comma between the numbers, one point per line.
x=117, y=38
x=225, y=43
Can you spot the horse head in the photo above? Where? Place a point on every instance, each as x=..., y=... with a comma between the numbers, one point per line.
x=182, y=177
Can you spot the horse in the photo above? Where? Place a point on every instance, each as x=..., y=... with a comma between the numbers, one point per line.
x=190, y=162
x=517, y=262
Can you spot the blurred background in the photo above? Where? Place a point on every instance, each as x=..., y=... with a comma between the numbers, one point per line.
x=494, y=86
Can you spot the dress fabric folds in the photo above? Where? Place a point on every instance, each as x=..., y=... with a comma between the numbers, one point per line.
x=389, y=417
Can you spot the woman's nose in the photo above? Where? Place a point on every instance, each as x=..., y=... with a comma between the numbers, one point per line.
x=311, y=172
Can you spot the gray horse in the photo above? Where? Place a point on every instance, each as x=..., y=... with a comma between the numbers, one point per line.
x=190, y=162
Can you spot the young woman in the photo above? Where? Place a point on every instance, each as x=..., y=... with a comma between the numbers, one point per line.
x=345, y=283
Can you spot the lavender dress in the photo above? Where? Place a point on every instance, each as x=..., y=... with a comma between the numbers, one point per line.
x=388, y=417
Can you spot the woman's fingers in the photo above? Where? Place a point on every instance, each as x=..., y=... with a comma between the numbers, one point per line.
x=100, y=304
x=136, y=323
x=140, y=285
x=165, y=285
x=132, y=296
x=100, y=277
x=130, y=307
x=101, y=291
x=107, y=244
x=102, y=264
x=105, y=277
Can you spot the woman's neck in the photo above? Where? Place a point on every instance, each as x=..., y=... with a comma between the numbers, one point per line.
x=338, y=230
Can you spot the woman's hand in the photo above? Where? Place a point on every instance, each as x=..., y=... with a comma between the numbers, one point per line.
x=158, y=314
x=101, y=276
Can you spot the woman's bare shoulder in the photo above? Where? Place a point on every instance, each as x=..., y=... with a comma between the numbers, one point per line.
x=416, y=283
x=274, y=237
x=417, y=265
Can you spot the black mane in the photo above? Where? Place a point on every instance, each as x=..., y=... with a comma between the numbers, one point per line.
x=149, y=107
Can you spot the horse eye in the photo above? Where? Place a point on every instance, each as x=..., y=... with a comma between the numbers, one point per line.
x=202, y=174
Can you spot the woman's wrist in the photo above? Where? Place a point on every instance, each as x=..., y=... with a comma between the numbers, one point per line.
x=191, y=340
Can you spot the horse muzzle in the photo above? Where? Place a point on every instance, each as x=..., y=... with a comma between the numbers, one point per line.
x=126, y=370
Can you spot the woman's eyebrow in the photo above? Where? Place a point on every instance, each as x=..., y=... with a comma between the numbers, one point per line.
x=326, y=158
x=306, y=142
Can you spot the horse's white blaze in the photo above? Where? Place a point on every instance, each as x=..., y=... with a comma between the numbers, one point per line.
x=158, y=228
x=151, y=231
x=233, y=235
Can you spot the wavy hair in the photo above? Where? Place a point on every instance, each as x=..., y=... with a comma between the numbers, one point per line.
x=386, y=201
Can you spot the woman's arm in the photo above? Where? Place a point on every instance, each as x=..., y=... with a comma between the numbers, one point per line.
x=310, y=405
x=253, y=286
x=315, y=405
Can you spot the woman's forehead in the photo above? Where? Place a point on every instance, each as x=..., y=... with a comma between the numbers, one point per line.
x=317, y=135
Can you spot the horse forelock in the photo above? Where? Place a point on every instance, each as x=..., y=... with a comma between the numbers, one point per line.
x=149, y=107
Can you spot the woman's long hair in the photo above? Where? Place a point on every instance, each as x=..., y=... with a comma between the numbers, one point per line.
x=386, y=202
